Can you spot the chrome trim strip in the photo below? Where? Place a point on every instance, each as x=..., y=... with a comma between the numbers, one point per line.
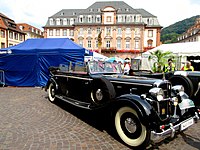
x=131, y=83
x=74, y=77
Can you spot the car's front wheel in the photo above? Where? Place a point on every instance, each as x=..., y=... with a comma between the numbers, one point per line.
x=129, y=128
x=52, y=92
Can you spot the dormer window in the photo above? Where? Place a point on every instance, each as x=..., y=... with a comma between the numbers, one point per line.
x=74, y=13
x=127, y=9
x=89, y=19
x=98, y=18
x=62, y=13
x=21, y=28
x=91, y=10
x=99, y=10
x=51, y=21
x=57, y=21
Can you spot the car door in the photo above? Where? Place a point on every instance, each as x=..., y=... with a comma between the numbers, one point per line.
x=80, y=87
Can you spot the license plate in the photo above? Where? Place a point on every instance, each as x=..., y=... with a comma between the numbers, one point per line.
x=186, y=124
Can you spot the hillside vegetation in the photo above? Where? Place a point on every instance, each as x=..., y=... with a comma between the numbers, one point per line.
x=170, y=33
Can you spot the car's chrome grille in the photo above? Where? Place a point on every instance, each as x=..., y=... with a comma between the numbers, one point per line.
x=166, y=86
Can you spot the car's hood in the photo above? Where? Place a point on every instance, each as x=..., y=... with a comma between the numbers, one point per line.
x=133, y=79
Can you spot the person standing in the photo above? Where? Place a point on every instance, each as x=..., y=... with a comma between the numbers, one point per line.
x=127, y=66
x=170, y=66
x=188, y=67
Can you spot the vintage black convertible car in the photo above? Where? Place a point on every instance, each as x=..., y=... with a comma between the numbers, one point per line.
x=142, y=110
x=190, y=80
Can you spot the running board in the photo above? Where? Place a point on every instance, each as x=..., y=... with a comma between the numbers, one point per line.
x=74, y=102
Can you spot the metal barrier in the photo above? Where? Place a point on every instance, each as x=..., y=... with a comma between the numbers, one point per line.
x=2, y=78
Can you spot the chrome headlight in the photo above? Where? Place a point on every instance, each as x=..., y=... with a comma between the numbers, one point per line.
x=157, y=92
x=178, y=88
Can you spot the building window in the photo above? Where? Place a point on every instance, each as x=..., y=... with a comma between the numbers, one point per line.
x=128, y=31
x=98, y=30
x=119, y=31
x=96, y=44
x=81, y=43
x=57, y=21
x=64, y=21
x=108, y=19
x=51, y=21
x=81, y=18
x=150, y=21
x=3, y=45
x=108, y=44
x=71, y=21
x=20, y=37
x=118, y=43
x=16, y=36
x=119, y=18
x=128, y=18
x=137, y=31
x=71, y=32
x=89, y=31
x=10, y=34
x=89, y=19
x=64, y=32
x=81, y=31
x=98, y=19
x=89, y=44
x=150, y=33
x=137, y=46
x=2, y=33
x=58, y=32
x=50, y=32
x=108, y=31
x=150, y=43
x=127, y=44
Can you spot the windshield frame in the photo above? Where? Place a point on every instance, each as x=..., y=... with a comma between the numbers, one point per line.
x=96, y=67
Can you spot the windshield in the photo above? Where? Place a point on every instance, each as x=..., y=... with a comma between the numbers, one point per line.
x=104, y=67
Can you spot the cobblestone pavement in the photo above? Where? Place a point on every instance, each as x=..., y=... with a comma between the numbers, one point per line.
x=28, y=121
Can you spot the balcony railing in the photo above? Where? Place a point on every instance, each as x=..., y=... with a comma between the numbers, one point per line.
x=108, y=49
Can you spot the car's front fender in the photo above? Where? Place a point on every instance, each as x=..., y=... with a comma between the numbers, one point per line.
x=144, y=109
x=51, y=80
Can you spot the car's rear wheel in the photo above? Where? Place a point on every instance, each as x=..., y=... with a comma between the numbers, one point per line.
x=52, y=92
x=129, y=128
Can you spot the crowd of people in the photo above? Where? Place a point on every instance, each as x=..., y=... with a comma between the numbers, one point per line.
x=170, y=66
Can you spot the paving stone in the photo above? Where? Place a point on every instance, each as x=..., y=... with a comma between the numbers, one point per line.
x=28, y=121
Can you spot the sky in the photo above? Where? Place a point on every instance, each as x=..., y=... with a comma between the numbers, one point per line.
x=36, y=12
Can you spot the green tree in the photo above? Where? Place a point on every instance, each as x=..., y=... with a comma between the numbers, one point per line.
x=169, y=34
x=159, y=58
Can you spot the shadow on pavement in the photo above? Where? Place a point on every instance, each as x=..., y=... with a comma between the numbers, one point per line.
x=98, y=119
x=192, y=141
x=93, y=118
x=102, y=122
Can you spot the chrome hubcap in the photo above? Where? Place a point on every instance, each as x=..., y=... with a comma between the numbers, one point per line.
x=130, y=125
x=52, y=92
x=99, y=94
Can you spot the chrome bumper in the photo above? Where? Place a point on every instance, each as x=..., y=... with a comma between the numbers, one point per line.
x=157, y=137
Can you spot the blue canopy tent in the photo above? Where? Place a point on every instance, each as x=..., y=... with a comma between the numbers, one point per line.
x=27, y=63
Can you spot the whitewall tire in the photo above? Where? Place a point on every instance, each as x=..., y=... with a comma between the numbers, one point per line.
x=129, y=128
x=51, y=92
